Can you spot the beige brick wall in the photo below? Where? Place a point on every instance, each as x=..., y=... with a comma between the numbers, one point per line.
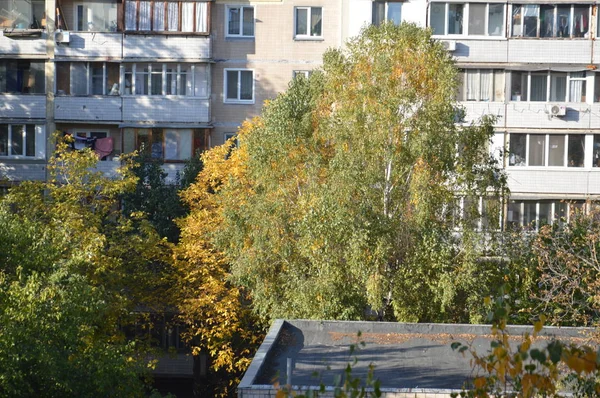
x=273, y=54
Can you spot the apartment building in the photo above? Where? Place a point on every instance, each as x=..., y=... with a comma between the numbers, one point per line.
x=115, y=75
x=532, y=65
x=172, y=78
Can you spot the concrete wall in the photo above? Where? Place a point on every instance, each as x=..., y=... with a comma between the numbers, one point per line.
x=19, y=47
x=88, y=45
x=166, y=109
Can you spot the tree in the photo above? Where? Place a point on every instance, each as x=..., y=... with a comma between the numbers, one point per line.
x=216, y=312
x=348, y=189
x=72, y=270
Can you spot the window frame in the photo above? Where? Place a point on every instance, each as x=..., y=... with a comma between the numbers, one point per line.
x=466, y=20
x=513, y=222
x=525, y=161
x=494, y=74
x=198, y=139
x=386, y=4
x=23, y=154
x=549, y=87
x=301, y=72
x=240, y=35
x=308, y=35
x=76, y=20
x=166, y=29
x=131, y=70
x=238, y=100
x=538, y=33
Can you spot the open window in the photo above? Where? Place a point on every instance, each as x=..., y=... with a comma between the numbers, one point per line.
x=22, y=14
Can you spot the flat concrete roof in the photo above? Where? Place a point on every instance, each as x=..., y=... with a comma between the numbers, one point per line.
x=405, y=356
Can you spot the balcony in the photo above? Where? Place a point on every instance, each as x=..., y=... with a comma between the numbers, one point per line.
x=156, y=47
x=109, y=169
x=476, y=110
x=94, y=108
x=550, y=51
x=23, y=106
x=166, y=109
x=537, y=115
x=91, y=45
x=22, y=171
x=564, y=181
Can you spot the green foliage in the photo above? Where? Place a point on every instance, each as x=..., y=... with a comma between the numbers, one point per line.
x=155, y=198
x=72, y=269
x=54, y=340
x=349, y=179
x=547, y=370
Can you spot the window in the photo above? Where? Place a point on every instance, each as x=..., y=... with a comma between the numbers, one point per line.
x=309, y=22
x=96, y=17
x=165, y=79
x=387, y=11
x=484, y=19
x=17, y=140
x=596, y=154
x=548, y=86
x=533, y=214
x=305, y=73
x=168, y=144
x=87, y=78
x=550, y=21
x=554, y=150
x=481, y=213
x=166, y=16
x=22, y=14
x=22, y=77
x=239, y=21
x=239, y=86
x=481, y=85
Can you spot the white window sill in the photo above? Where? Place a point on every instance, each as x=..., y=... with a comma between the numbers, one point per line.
x=470, y=37
x=238, y=102
x=240, y=38
x=309, y=38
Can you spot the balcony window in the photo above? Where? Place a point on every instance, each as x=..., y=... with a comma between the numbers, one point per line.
x=165, y=79
x=96, y=17
x=22, y=14
x=166, y=144
x=17, y=140
x=22, y=77
x=554, y=150
x=481, y=85
x=166, y=16
x=484, y=19
x=87, y=78
x=548, y=86
x=386, y=11
x=550, y=21
x=531, y=214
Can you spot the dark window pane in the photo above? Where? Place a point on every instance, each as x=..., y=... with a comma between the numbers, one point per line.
x=30, y=140
x=16, y=140
x=232, y=84
x=576, y=150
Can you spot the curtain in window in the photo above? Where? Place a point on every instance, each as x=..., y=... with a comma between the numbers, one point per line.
x=246, y=85
x=558, y=87
x=178, y=144
x=202, y=17
x=78, y=78
x=539, y=84
x=200, y=81
x=487, y=85
x=130, y=15
x=537, y=150
x=187, y=17
x=144, y=15
x=499, y=86
x=173, y=15
x=577, y=87
x=315, y=21
x=472, y=85
x=159, y=16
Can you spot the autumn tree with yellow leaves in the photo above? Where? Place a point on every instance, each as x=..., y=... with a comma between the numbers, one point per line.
x=345, y=194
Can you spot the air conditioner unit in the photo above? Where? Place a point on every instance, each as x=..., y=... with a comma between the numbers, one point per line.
x=558, y=110
x=449, y=45
x=62, y=37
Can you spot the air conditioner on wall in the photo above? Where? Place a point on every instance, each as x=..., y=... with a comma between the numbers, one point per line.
x=558, y=110
x=62, y=37
x=449, y=45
